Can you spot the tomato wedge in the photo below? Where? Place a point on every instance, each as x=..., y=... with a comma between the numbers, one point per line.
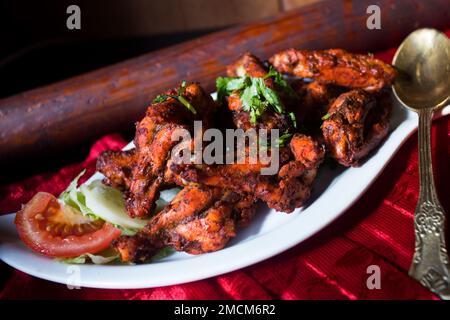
x=55, y=230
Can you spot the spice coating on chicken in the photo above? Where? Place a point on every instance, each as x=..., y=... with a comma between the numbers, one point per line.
x=356, y=124
x=199, y=219
x=336, y=66
x=153, y=144
x=117, y=167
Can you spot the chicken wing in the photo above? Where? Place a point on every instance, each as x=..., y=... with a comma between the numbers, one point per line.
x=117, y=166
x=336, y=66
x=356, y=123
x=153, y=144
x=199, y=219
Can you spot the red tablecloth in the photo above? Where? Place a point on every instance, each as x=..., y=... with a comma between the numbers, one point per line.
x=377, y=230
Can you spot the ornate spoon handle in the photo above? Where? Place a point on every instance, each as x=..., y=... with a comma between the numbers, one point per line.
x=430, y=264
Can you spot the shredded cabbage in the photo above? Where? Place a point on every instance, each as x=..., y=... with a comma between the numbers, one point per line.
x=109, y=204
x=109, y=255
x=98, y=201
x=104, y=257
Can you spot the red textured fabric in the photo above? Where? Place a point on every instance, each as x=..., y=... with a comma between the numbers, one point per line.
x=377, y=230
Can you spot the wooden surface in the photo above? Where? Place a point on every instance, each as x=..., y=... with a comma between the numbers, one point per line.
x=36, y=123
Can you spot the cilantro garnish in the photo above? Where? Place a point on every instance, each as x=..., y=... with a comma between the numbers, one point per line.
x=293, y=119
x=326, y=117
x=181, y=91
x=162, y=98
x=283, y=84
x=281, y=141
x=256, y=97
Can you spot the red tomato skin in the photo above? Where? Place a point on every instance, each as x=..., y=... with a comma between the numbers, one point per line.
x=70, y=246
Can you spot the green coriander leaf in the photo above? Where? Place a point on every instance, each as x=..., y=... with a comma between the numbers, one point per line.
x=257, y=109
x=237, y=83
x=161, y=98
x=255, y=96
x=283, y=84
x=270, y=95
x=226, y=85
x=253, y=117
x=326, y=117
x=187, y=104
x=281, y=141
x=221, y=88
x=272, y=73
x=182, y=88
x=247, y=95
x=293, y=119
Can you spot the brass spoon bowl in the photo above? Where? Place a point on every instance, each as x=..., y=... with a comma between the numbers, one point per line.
x=423, y=85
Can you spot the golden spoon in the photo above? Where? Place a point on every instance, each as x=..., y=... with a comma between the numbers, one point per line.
x=423, y=85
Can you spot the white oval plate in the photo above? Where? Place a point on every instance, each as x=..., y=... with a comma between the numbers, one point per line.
x=269, y=234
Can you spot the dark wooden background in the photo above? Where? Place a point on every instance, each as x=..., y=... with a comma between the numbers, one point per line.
x=38, y=124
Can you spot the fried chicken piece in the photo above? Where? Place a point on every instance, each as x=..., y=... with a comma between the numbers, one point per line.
x=295, y=178
x=336, y=66
x=117, y=166
x=356, y=124
x=306, y=150
x=244, y=210
x=141, y=173
x=177, y=225
x=249, y=65
x=199, y=219
x=154, y=143
x=284, y=191
x=314, y=100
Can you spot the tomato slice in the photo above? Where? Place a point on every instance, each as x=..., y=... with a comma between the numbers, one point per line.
x=56, y=230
